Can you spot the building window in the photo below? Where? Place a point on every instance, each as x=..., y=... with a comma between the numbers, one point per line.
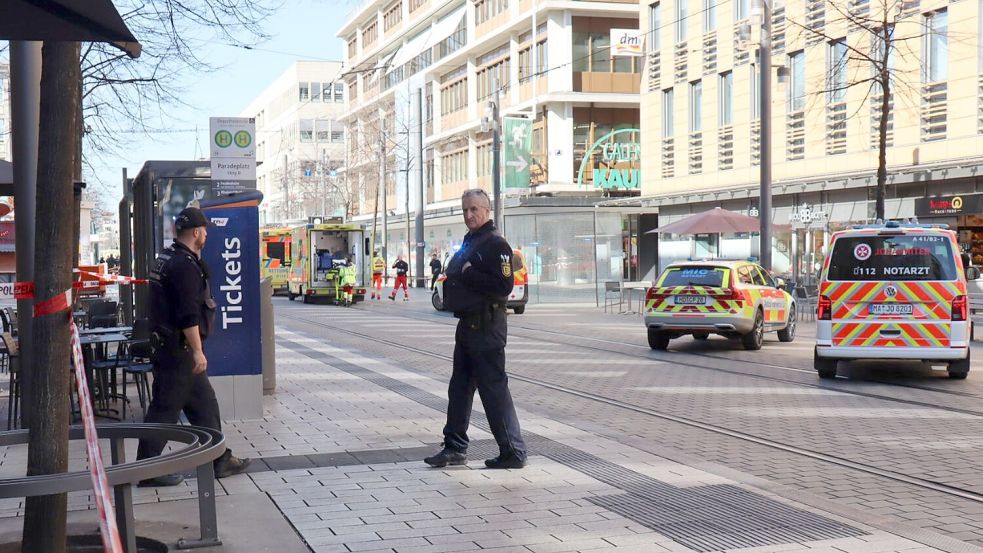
x=836, y=69
x=492, y=78
x=797, y=84
x=393, y=16
x=352, y=47
x=338, y=135
x=709, y=15
x=307, y=130
x=742, y=9
x=454, y=42
x=936, y=47
x=304, y=92
x=667, y=111
x=695, y=106
x=414, y=4
x=454, y=97
x=369, y=34
x=592, y=53
x=339, y=92
x=326, y=92
x=323, y=128
x=315, y=92
x=488, y=9
x=681, y=20
x=726, y=98
x=655, y=21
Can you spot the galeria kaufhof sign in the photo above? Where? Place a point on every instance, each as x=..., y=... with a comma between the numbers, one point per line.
x=614, y=164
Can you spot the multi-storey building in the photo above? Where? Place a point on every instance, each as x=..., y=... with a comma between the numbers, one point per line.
x=300, y=143
x=701, y=118
x=546, y=63
x=4, y=111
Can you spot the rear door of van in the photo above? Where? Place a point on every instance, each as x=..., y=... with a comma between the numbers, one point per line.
x=893, y=288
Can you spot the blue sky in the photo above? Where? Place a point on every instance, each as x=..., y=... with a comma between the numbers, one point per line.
x=301, y=29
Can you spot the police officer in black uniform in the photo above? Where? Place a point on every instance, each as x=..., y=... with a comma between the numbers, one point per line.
x=479, y=280
x=182, y=314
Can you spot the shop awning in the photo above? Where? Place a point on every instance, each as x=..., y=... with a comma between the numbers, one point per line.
x=71, y=20
x=445, y=28
x=410, y=50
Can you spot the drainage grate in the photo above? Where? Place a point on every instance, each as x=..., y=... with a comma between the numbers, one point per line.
x=702, y=518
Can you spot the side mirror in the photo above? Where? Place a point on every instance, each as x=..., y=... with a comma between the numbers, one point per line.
x=972, y=273
x=780, y=283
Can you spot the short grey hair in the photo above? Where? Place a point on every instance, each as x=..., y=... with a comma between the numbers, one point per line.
x=471, y=192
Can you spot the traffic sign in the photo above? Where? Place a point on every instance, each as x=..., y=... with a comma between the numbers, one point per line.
x=232, y=137
x=517, y=152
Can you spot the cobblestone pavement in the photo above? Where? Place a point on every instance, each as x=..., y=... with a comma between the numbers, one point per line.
x=631, y=451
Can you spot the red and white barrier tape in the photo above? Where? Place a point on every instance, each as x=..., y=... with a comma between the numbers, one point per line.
x=108, y=278
x=107, y=516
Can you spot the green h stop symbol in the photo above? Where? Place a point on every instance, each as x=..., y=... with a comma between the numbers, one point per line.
x=223, y=139
x=243, y=139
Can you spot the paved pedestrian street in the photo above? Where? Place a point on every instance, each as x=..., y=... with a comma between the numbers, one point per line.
x=705, y=447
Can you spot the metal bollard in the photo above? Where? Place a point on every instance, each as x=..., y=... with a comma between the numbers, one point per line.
x=268, y=336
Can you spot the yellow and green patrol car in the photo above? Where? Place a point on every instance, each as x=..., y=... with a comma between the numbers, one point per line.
x=736, y=299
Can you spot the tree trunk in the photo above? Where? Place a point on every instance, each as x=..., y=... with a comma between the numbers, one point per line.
x=882, y=148
x=45, y=517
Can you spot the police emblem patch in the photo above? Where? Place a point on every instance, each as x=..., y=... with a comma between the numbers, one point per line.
x=506, y=265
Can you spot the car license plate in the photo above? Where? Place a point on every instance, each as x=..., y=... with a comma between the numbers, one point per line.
x=691, y=300
x=891, y=309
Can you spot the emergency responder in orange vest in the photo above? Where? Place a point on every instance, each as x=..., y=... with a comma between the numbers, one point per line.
x=378, y=266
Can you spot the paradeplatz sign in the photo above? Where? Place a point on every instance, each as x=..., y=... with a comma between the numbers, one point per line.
x=233, y=153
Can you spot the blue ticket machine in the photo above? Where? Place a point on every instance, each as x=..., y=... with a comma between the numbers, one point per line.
x=234, y=349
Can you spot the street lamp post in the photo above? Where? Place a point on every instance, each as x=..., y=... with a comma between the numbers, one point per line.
x=764, y=209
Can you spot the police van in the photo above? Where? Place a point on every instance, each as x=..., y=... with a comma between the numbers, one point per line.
x=893, y=291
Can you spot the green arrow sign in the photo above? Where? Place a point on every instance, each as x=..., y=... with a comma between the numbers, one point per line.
x=517, y=152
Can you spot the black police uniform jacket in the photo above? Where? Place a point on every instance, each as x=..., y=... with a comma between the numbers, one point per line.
x=477, y=295
x=179, y=295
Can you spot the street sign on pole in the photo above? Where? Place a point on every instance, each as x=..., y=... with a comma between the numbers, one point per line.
x=518, y=151
x=233, y=154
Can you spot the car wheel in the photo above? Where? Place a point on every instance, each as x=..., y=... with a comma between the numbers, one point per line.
x=752, y=340
x=959, y=370
x=519, y=309
x=701, y=335
x=438, y=303
x=658, y=340
x=826, y=368
x=787, y=334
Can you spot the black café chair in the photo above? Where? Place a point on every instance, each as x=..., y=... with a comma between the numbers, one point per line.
x=138, y=365
x=13, y=396
x=102, y=314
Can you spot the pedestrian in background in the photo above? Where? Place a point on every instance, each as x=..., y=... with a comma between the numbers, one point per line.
x=378, y=267
x=402, y=268
x=479, y=280
x=182, y=314
x=435, y=268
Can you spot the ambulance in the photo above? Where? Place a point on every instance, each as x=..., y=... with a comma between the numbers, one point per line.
x=893, y=291
x=735, y=299
x=274, y=256
x=518, y=298
x=317, y=253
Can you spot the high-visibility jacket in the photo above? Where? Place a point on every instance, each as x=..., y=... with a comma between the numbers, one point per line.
x=348, y=275
x=378, y=265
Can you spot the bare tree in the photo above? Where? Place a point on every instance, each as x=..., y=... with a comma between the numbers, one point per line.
x=122, y=93
x=876, y=35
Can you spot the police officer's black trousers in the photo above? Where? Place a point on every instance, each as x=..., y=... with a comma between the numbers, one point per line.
x=177, y=388
x=482, y=370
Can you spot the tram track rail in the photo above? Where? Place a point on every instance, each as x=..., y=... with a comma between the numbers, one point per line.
x=922, y=483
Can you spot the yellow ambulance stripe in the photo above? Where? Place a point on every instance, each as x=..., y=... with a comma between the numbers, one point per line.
x=873, y=336
x=932, y=292
x=907, y=335
x=926, y=335
x=873, y=292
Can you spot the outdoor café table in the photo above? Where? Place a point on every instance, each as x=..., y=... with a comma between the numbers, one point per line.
x=89, y=341
x=105, y=330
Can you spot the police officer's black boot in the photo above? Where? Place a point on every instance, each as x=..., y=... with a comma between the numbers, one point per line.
x=229, y=465
x=447, y=456
x=506, y=461
x=162, y=481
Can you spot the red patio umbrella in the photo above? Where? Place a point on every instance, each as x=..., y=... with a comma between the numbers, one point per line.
x=715, y=221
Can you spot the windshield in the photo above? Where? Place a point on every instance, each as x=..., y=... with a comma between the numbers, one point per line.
x=693, y=276
x=905, y=257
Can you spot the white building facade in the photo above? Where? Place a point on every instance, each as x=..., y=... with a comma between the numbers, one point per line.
x=300, y=144
x=4, y=111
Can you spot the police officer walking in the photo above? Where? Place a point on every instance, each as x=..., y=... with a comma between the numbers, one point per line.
x=435, y=268
x=479, y=280
x=182, y=313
